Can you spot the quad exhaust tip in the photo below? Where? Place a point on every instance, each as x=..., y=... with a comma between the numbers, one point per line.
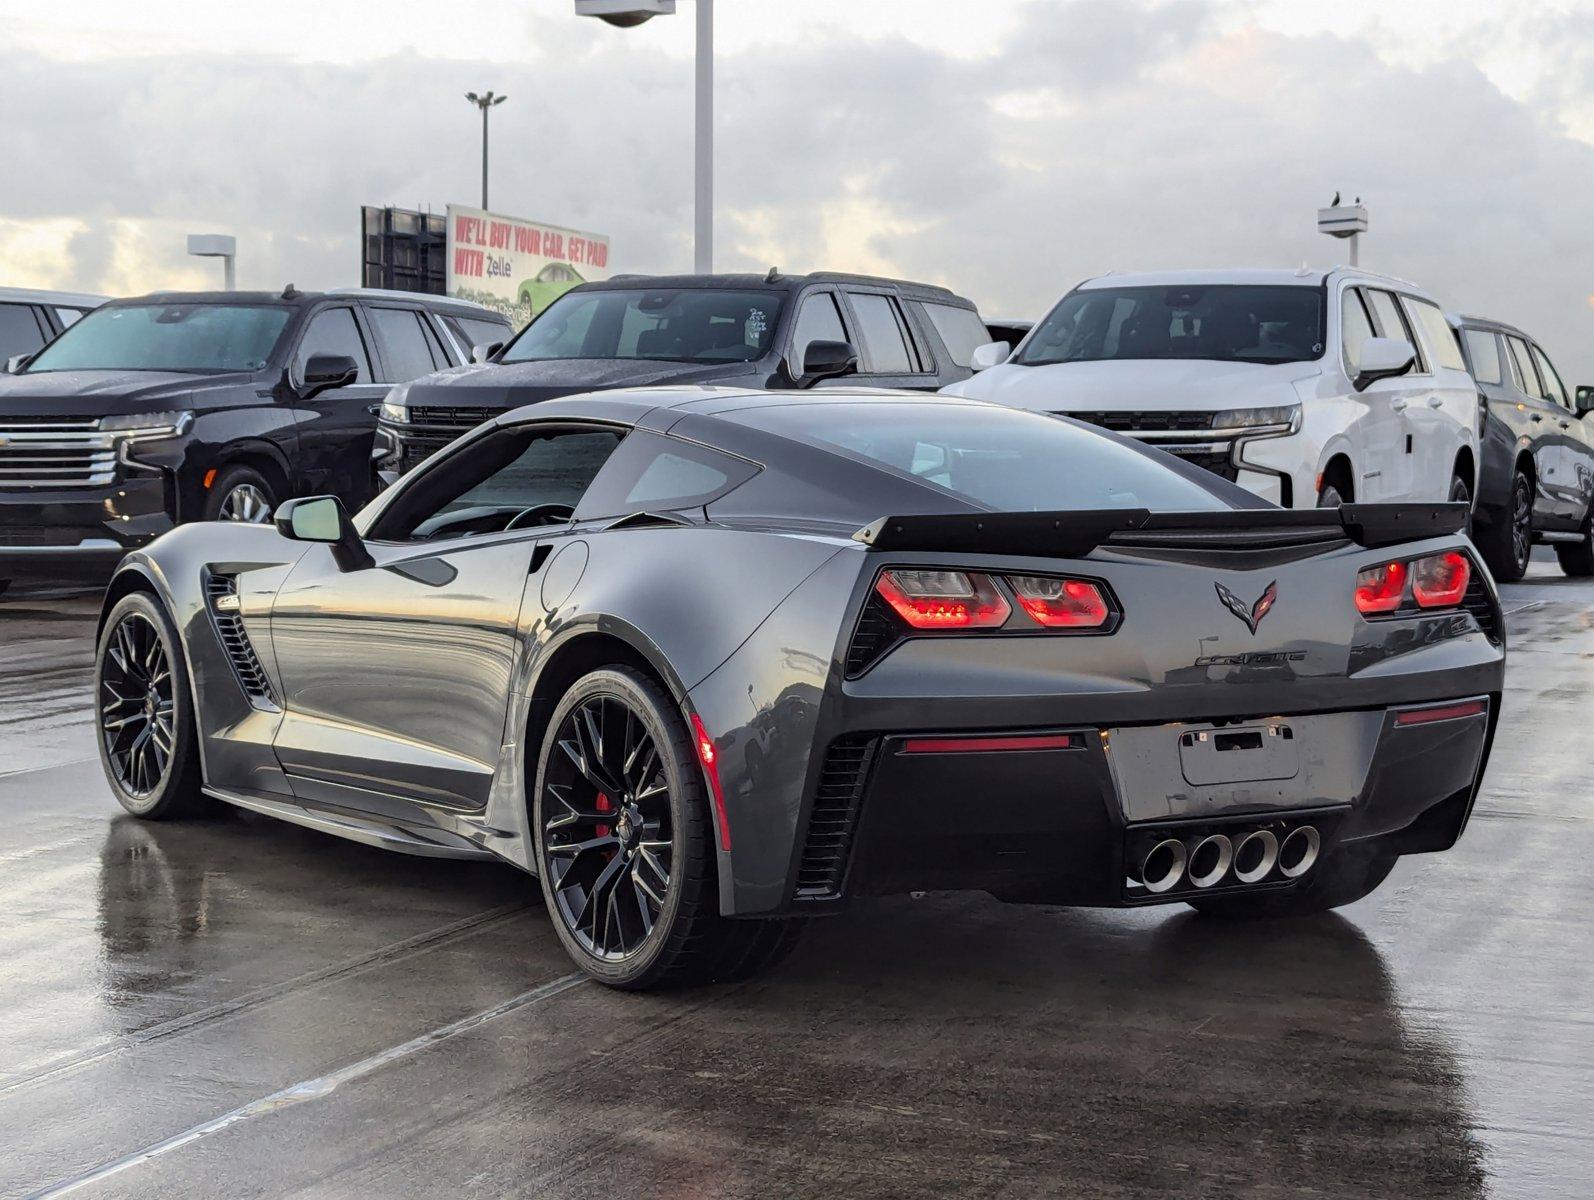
x=1255, y=855
x=1209, y=861
x=1299, y=851
x=1163, y=866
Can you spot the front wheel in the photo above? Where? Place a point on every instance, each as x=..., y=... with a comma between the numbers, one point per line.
x=1577, y=558
x=240, y=494
x=1338, y=880
x=625, y=843
x=1507, y=543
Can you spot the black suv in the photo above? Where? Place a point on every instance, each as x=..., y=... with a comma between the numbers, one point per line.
x=761, y=331
x=204, y=405
x=1537, y=482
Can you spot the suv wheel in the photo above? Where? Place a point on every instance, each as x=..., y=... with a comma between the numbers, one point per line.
x=1460, y=493
x=625, y=843
x=1577, y=558
x=240, y=494
x=1507, y=544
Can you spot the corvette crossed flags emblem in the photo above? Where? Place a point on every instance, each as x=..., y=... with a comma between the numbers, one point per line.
x=1251, y=614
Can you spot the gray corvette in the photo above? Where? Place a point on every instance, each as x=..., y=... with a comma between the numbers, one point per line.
x=708, y=663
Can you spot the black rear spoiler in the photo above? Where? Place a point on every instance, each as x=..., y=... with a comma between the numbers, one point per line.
x=1073, y=534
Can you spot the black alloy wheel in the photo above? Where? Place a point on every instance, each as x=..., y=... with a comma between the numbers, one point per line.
x=147, y=741
x=608, y=833
x=1460, y=493
x=1507, y=541
x=240, y=494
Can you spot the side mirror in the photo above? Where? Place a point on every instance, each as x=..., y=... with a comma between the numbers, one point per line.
x=16, y=363
x=324, y=520
x=992, y=354
x=1584, y=400
x=484, y=351
x=325, y=371
x=826, y=360
x=1383, y=358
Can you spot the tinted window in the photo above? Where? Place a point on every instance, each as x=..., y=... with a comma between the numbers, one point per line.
x=960, y=329
x=474, y=331
x=1553, y=386
x=484, y=487
x=1001, y=458
x=1437, y=338
x=69, y=316
x=404, y=345
x=19, y=331
x=1388, y=320
x=333, y=331
x=653, y=472
x=669, y=324
x=168, y=337
x=1227, y=323
x=818, y=320
x=1354, y=327
x=1483, y=347
x=1526, y=375
x=434, y=342
x=885, y=350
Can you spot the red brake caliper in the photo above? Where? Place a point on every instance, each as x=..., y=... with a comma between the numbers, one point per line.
x=604, y=805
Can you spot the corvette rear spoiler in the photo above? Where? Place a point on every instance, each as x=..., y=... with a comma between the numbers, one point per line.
x=1072, y=534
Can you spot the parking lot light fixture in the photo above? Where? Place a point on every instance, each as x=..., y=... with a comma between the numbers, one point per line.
x=484, y=102
x=217, y=245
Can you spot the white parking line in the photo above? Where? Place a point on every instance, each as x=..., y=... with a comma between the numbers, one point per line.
x=312, y=1089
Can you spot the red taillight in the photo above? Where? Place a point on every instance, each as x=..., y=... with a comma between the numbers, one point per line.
x=1380, y=589
x=944, y=599
x=1440, y=712
x=708, y=755
x=1061, y=603
x=1440, y=580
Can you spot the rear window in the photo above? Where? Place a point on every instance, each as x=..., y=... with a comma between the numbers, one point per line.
x=960, y=329
x=1004, y=459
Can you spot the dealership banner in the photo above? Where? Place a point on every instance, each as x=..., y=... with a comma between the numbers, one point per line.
x=515, y=266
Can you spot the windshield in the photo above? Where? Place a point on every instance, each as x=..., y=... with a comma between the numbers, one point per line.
x=674, y=324
x=1002, y=458
x=1223, y=323
x=201, y=338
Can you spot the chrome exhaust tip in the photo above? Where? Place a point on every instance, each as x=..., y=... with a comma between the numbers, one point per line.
x=1163, y=866
x=1255, y=856
x=1299, y=851
x=1209, y=861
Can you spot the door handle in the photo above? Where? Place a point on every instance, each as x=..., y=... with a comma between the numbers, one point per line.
x=1535, y=417
x=1399, y=405
x=1435, y=401
x=1566, y=424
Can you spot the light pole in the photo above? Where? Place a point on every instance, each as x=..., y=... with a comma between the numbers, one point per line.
x=629, y=13
x=484, y=102
x=1345, y=221
x=217, y=245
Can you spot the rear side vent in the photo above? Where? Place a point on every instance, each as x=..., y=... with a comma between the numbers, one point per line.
x=222, y=593
x=1483, y=609
x=879, y=629
x=834, y=819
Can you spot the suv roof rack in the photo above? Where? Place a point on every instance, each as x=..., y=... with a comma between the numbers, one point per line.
x=397, y=294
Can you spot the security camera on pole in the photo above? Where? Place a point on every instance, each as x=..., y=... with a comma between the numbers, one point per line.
x=629, y=13
x=1345, y=221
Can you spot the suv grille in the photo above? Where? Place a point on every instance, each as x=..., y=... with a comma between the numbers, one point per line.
x=1147, y=422
x=834, y=818
x=55, y=452
x=1216, y=461
x=235, y=641
x=460, y=419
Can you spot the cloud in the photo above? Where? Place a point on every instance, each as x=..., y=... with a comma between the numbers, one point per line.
x=1090, y=136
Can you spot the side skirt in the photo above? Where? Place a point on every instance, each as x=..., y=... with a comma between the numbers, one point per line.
x=435, y=844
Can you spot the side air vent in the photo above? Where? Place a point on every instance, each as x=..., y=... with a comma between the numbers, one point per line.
x=834, y=819
x=879, y=629
x=1482, y=608
x=222, y=593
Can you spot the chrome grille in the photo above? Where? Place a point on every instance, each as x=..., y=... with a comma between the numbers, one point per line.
x=55, y=452
x=222, y=591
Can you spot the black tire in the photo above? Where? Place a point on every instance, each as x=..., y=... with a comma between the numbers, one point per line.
x=1330, y=496
x=237, y=494
x=1341, y=878
x=144, y=714
x=1577, y=558
x=1507, y=541
x=607, y=720
x=4, y=584
x=1460, y=493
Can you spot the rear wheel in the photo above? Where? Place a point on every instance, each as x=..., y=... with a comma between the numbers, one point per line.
x=149, y=747
x=625, y=843
x=1340, y=879
x=1460, y=493
x=240, y=494
x=1507, y=543
x=1577, y=558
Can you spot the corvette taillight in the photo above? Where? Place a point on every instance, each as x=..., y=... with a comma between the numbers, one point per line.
x=1380, y=589
x=1433, y=581
x=1440, y=580
x=944, y=599
x=1061, y=603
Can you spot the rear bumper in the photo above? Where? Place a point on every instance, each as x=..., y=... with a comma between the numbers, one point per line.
x=80, y=533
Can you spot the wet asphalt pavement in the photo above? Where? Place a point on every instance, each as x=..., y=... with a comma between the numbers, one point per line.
x=239, y=1007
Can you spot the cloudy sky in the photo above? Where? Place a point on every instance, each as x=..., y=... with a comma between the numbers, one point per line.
x=1007, y=148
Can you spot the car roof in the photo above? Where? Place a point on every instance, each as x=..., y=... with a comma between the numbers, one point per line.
x=775, y=281
x=1252, y=276
x=13, y=295
x=1487, y=323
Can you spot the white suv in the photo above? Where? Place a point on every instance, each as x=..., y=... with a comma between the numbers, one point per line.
x=1305, y=387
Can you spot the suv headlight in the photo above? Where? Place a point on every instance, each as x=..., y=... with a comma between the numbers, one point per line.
x=1278, y=419
x=394, y=407
x=148, y=427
